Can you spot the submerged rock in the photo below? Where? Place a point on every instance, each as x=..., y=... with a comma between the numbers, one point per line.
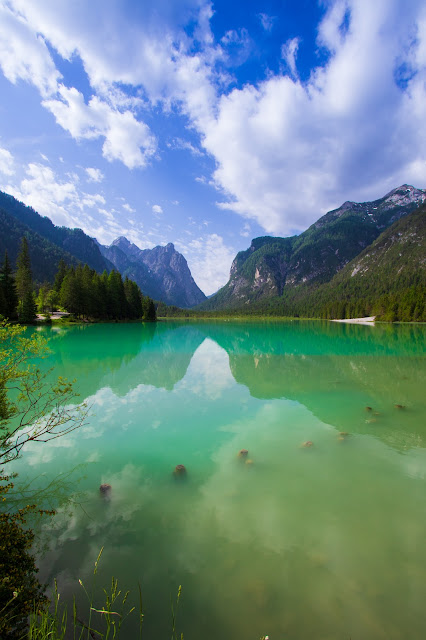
x=307, y=444
x=105, y=490
x=180, y=471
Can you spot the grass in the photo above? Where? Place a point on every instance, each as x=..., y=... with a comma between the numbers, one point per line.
x=103, y=623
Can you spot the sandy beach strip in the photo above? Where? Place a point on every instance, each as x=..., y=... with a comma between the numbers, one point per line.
x=369, y=320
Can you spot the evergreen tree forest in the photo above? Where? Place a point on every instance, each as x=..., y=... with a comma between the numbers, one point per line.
x=79, y=290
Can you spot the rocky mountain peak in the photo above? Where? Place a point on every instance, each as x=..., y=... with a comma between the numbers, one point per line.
x=271, y=265
x=161, y=272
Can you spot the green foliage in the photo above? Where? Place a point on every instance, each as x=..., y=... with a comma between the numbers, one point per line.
x=87, y=294
x=32, y=407
x=8, y=294
x=387, y=279
x=45, y=256
x=50, y=243
x=104, y=619
x=24, y=285
x=20, y=590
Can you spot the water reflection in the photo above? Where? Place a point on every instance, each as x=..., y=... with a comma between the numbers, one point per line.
x=335, y=370
x=335, y=529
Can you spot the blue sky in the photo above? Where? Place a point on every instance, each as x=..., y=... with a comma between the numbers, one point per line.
x=207, y=123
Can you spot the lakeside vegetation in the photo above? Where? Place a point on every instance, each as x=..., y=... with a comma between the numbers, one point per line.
x=407, y=304
x=78, y=290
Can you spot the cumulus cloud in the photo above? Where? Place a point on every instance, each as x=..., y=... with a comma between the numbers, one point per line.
x=157, y=209
x=46, y=194
x=126, y=138
x=287, y=150
x=63, y=202
x=209, y=259
x=24, y=54
x=94, y=175
x=6, y=162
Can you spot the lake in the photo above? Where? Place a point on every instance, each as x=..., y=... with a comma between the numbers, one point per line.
x=326, y=541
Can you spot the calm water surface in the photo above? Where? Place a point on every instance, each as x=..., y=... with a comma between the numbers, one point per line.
x=321, y=542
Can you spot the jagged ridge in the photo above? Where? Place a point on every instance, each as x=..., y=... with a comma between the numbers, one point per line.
x=161, y=272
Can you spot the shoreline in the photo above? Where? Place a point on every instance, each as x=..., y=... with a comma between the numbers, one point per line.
x=369, y=320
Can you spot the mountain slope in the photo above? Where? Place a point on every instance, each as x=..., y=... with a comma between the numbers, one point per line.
x=161, y=272
x=45, y=255
x=398, y=254
x=72, y=241
x=272, y=266
x=387, y=279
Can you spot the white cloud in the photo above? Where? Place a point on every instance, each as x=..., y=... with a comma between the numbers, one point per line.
x=24, y=54
x=287, y=150
x=92, y=200
x=41, y=190
x=209, y=259
x=128, y=208
x=184, y=145
x=289, y=54
x=126, y=139
x=266, y=21
x=61, y=200
x=94, y=175
x=245, y=231
x=6, y=162
x=157, y=209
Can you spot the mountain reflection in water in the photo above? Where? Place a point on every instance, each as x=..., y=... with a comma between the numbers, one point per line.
x=335, y=529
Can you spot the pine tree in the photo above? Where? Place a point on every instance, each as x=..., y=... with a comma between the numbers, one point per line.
x=24, y=285
x=149, y=313
x=8, y=293
x=60, y=275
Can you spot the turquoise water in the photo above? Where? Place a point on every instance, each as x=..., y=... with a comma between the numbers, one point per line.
x=322, y=542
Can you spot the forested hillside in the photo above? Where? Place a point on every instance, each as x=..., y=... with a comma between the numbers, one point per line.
x=71, y=242
x=314, y=274
x=387, y=279
x=45, y=256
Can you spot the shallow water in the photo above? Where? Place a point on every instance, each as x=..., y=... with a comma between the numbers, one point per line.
x=321, y=542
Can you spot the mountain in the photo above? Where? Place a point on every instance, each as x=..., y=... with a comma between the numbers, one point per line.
x=272, y=266
x=388, y=278
x=73, y=244
x=161, y=272
x=45, y=256
x=395, y=256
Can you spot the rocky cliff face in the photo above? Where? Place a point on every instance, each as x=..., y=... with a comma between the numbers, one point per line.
x=161, y=272
x=314, y=257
